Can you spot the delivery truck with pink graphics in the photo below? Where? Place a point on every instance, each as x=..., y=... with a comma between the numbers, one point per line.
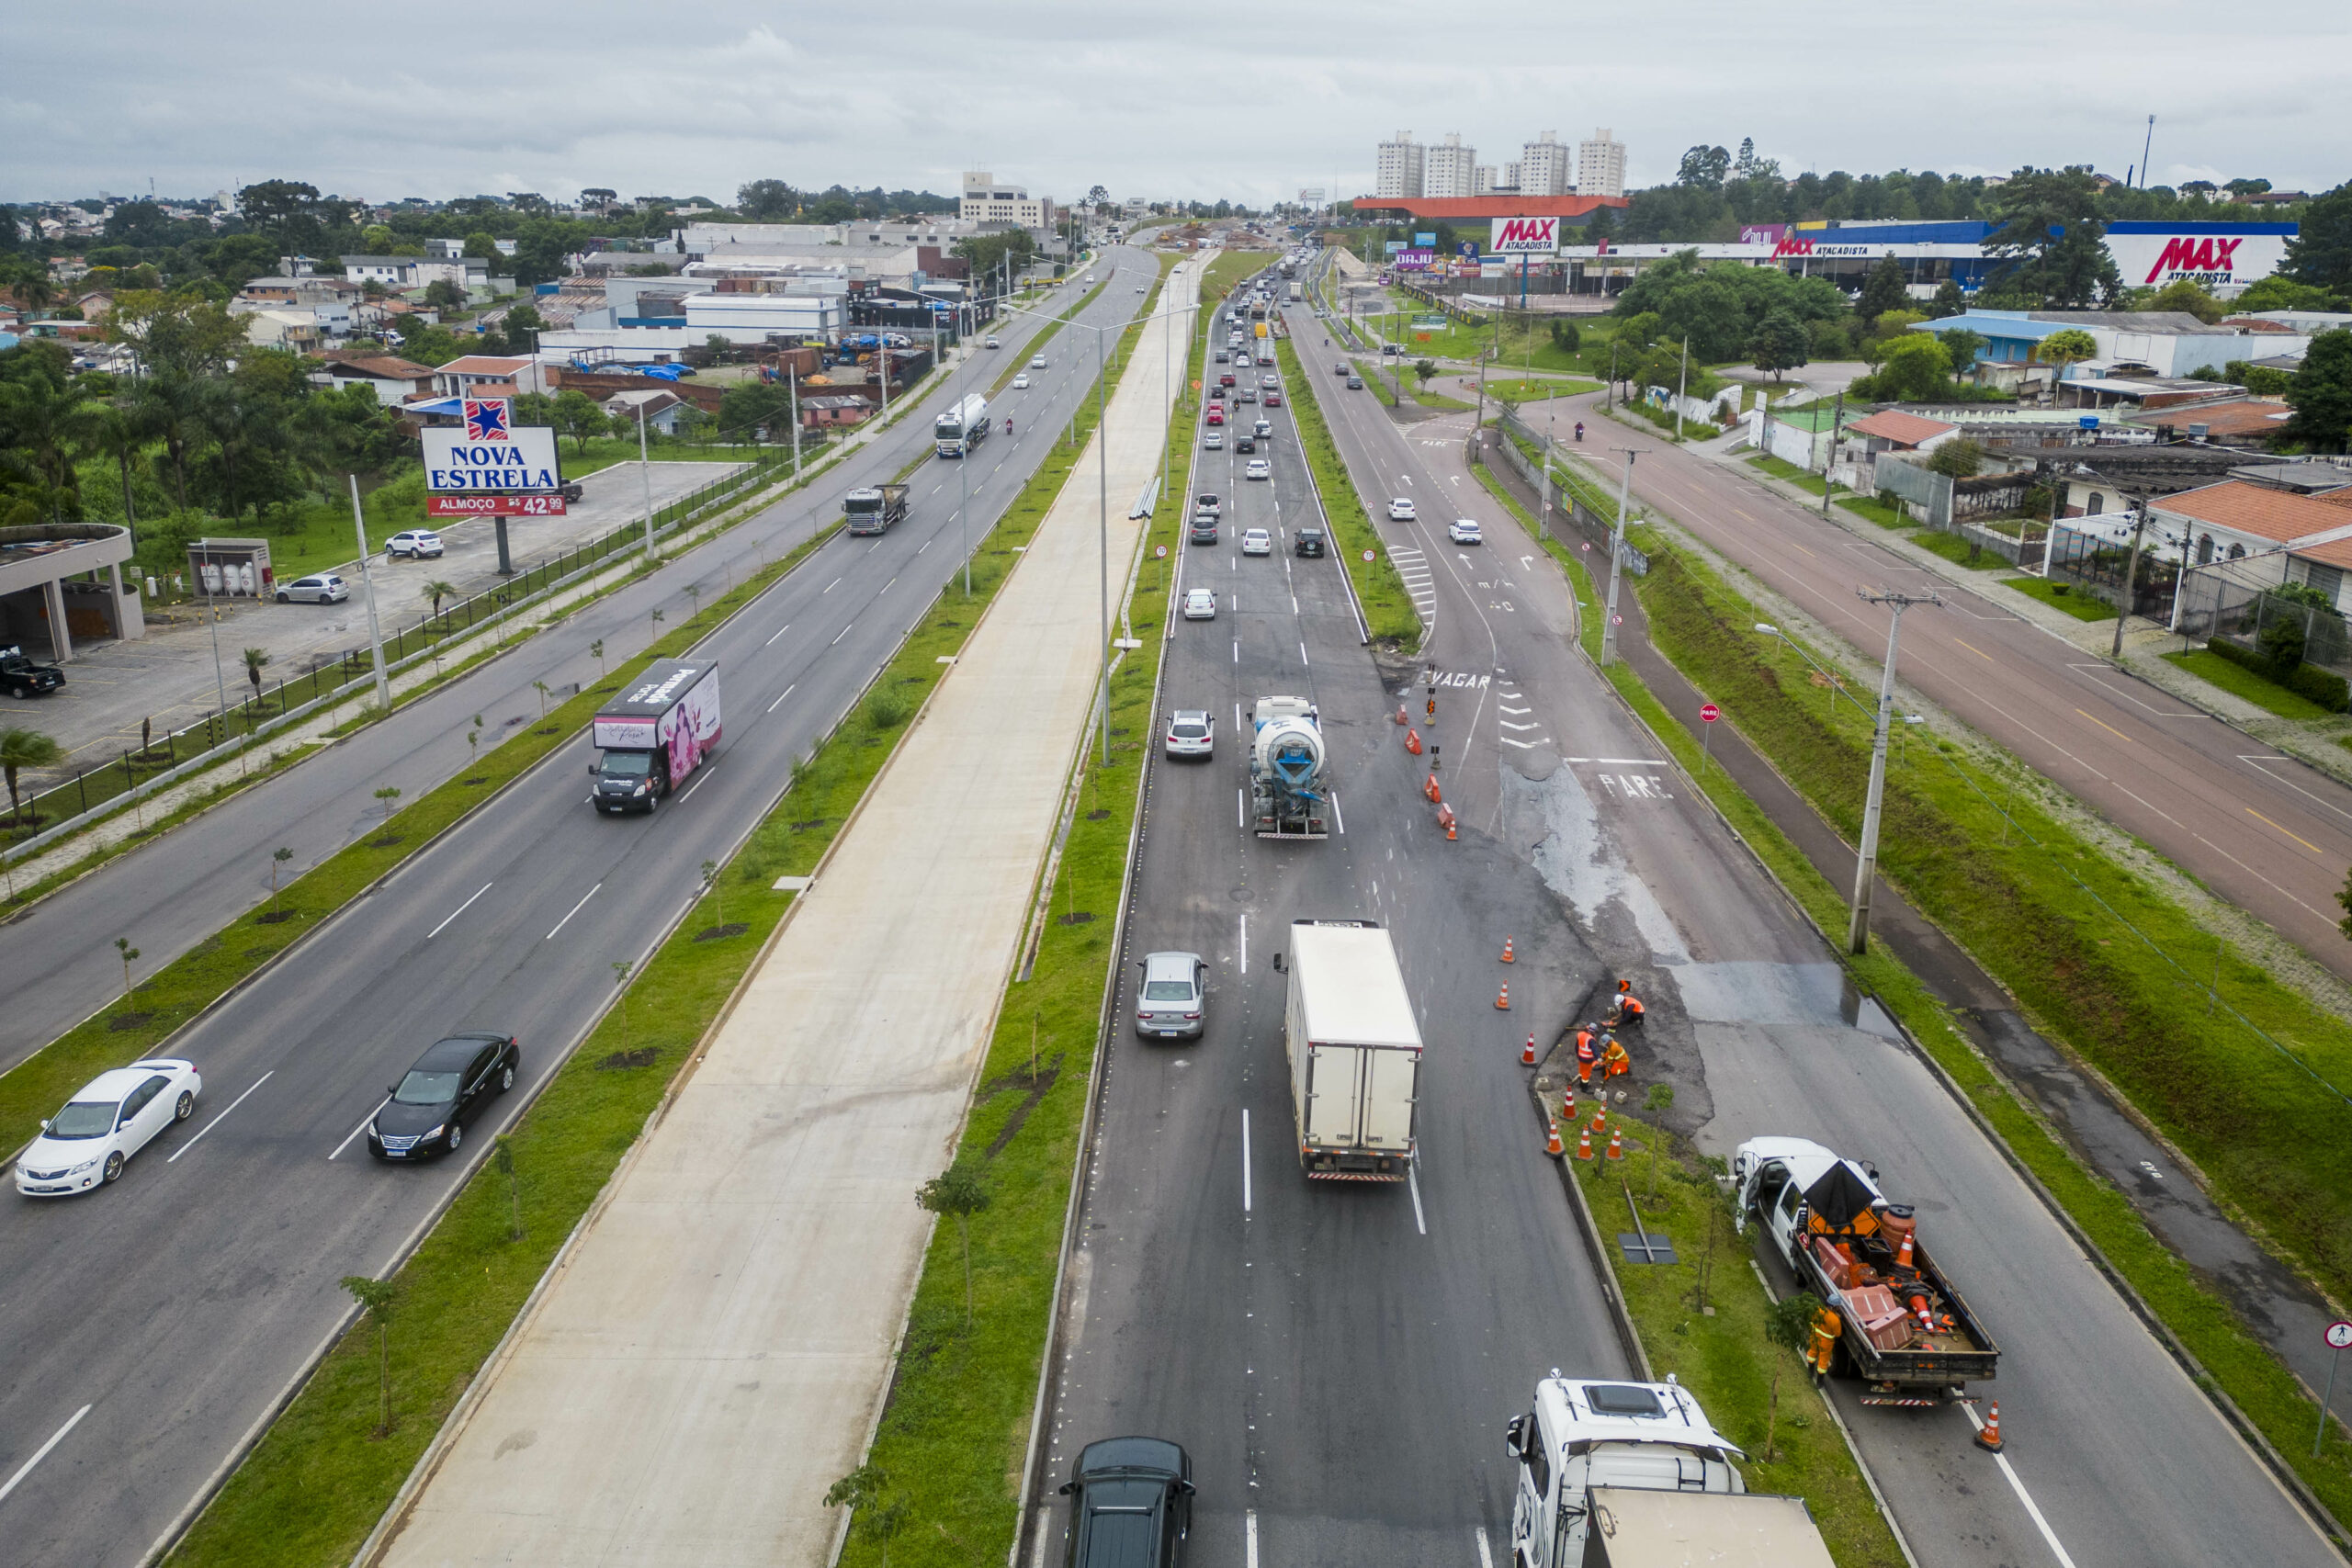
x=658, y=728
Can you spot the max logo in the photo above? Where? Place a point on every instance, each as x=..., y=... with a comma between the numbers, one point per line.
x=1527, y=233
x=2184, y=255
x=1791, y=246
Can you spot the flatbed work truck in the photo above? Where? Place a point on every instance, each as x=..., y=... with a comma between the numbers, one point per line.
x=871, y=509
x=1355, y=1052
x=1905, y=1329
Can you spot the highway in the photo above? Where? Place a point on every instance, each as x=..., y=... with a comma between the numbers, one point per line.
x=1338, y=1359
x=171, y=1309
x=2126, y=1462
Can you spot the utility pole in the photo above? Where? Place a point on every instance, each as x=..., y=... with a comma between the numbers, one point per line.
x=1866, y=864
x=1616, y=562
x=645, y=471
x=366, y=586
x=1829, y=462
x=792, y=382
x=1102, y=528
x=1609, y=395
x=1682, y=385
x=2130, y=580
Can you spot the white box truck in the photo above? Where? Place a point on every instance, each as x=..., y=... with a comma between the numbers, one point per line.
x=1355, y=1052
x=654, y=733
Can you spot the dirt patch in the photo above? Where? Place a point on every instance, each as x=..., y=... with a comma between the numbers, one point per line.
x=127, y=1020
x=1075, y=918
x=643, y=1056
x=1097, y=815
x=272, y=917
x=717, y=933
x=387, y=841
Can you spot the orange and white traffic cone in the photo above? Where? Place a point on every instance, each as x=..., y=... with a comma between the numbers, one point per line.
x=1400, y=715
x=1552, y=1140
x=1502, y=1000
x=1903, y=1253
x=1616, y=1142
x=1584, y=1142
x=1413, y=741
x=1527, y=1056
x=1568, y=1105
x=1447, y=818
x=1506, y=954
x=1988, y=1436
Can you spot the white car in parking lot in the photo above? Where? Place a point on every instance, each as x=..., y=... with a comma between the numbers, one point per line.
x=1465, y=531
x=325, y=588
x=112, y=1117
x=1199, y=604
x=418, y=544
x=1400, y=510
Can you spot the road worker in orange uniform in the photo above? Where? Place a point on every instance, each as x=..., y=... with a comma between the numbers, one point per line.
x=1588, y=1055
x=1826, y=1326
x=1614, y=1060
x=1630, y=1012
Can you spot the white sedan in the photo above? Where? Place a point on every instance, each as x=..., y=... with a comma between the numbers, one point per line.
x=1465, y=531
x=1037, y=362
x=1257, y=541
x=1259, y=468
x=1021, y=382
x=1400, y=510
x=116, y=1114
x=1199, y=604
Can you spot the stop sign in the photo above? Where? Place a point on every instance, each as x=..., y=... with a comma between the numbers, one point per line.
x=1709, y=712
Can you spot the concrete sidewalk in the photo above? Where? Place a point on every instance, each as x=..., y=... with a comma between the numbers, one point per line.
x=714, y=1351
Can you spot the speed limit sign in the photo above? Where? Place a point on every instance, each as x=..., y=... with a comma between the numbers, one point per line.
x=1368, y=557
x=1161, y=552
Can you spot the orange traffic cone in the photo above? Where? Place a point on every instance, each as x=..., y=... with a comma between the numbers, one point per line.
x=1435, y=794
x=1450, y=836
x=1502, y=1000
x=1988, y=1438
x=1616, y=1142
x=1400, y=715
x=1584, y=1142
x=1568, y=1105
x=1903, y=1253
x=1413, y=741
x=1552, y=1140
x=1527, y=1057
x=1507, y=958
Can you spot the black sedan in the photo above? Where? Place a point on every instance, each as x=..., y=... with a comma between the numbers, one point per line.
x=1131, y=1503
x=428, y=1109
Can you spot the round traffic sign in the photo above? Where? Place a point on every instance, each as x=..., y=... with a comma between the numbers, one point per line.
x=1369, y=557
x=2339, y=1335
x=1161, y=552
x=1709, y=713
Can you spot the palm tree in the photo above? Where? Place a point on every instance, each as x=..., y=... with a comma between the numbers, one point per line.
x=43, y=420
x=24, y=749
x=172, y=405
x=118, y=430
x=256, y=659
x=439, y=591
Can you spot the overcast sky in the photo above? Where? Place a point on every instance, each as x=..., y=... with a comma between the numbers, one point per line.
x=1250, y=102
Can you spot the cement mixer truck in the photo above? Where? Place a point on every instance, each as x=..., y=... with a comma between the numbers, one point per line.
x=1286, y=771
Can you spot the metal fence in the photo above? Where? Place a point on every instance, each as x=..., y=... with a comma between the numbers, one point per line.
x=337, y=675
x=1561, y=505
x=2212, y=605
x=2087, y=561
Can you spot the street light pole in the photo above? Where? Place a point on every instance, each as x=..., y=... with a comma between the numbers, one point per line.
x=1616, y=562
x=1866, y=864
x=645, y=471
x=366, y=586
x=1102, y=528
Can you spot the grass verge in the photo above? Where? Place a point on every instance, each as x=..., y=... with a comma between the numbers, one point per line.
x=1388, y=608
x=2081, y=606
x=2240, y=681
x=1722, y=1355
x=1958, y=552
x=1870, y=509
x=1518, y=391
x=315, y=1485
x=1781, y=469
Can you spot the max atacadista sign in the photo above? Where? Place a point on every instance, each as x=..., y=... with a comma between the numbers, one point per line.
x=490, y=453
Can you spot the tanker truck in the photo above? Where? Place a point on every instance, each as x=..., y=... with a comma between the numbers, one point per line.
x=1286, y=771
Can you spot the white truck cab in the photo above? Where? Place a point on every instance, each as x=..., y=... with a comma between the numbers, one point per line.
x=1581, y=1434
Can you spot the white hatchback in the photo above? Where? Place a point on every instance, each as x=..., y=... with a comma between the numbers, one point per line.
x=325, y=588
x=114, y=1116
x=1199, y=604
x=1465, y=531
x=1037, y=362
x=1256, y=541
x=1259, y=468
x=1400, y=510
x=1021, y=382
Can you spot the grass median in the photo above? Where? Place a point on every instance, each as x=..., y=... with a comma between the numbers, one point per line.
x=322, y=1476
x=1388, y=607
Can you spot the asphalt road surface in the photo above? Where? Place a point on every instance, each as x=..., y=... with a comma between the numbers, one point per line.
x=2124, y=1462
x=176, y=1304
x=1338, y=1357
x=2261, y=830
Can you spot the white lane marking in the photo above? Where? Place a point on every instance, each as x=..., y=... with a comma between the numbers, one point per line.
x=1245, y=944
x=840, y=634
x=924, y=546
x=1620, y=762
x=1236, y=715
x=2023, y=1495
x=883, y=589
x=218, y=1119
x=361, y=1128
x=788, y=692
x=1245, y=1162
x=1336, y=816
x=575, y=910
x=1413, y=1179
x=779, y=632
x=1302, y=651
x=1248, y=1520
x=1486, y=1556
x=1293, y=598
x=1236, y=650
x=830, y=587
x=75, y=1420
x=696, y=785
x=458, y=910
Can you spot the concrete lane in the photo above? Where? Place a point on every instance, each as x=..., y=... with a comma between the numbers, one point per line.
x=1750, y=1026
x=57, y=965
x=178, y=1302
x=2268, y=834
x=1272, y=1327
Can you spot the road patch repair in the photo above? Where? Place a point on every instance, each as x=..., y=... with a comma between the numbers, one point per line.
x=716, y=1348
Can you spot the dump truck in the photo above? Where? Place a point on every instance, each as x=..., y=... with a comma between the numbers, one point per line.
x=871, y=509
x=1287, y=762
x=1905, y=1330
x=1354, y=1051
x=1609, y=1469
x=657, y=730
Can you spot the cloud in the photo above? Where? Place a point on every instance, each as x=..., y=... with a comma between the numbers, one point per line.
x=440, y=99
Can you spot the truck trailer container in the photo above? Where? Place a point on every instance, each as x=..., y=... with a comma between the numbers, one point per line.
x=1355, y=1052
x=655, y=732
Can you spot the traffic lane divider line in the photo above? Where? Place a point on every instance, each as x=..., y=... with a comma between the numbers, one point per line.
x=222, y=1117
x=573, y=911
x=42, y=1453
x=2033, y=1510
x=363, y=1126
x=460, y=910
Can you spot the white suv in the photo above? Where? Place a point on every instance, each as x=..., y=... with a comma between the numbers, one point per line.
x=417, y=544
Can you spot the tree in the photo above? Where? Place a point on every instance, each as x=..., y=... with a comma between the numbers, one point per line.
x=256, y=660
x=2320, y=255
x=2278, y=292
x=2184, y=294
x=1704, y=167
x=1958, y=458
x=960, y=1191
x=2064, y=349
x=1564, y=336
x=443, y=294
x=878, y=1514
x=437, y=591
x=1788, y=1325
x=2053, y=238
x=181, y=333
x=1098, y=196
x=2246, y=187
x=1882, y=290
x=2321, y=394
x=2282, y=642
x=766, y=199
x=115, y=431
x=1779, y=344
x=601, y=197
x=483, y=243
x=21, y=747
x=45, y=421
x=1917, y=367
x=1948, y=300
x=576, y=414
x=1425, y=371
x=1963, y=345
x=293, y=214
x=376, y=1298
x=523, y=325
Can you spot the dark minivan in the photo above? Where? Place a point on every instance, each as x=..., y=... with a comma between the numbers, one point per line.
x=427, y=1110
x=1130, y=1505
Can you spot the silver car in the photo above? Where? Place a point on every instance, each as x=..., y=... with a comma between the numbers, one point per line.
x=325, y=588
x=1192, y=732
x=1174, y=996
